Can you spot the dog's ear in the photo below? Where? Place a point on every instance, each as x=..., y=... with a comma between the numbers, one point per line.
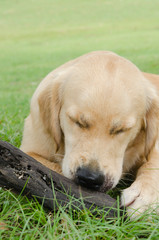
x=151, y=121
x=49, y=105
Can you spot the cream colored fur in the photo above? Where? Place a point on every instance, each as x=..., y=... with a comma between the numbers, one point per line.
x=99, y=109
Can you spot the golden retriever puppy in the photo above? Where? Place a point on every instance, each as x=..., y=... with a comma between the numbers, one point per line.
x=94, y=119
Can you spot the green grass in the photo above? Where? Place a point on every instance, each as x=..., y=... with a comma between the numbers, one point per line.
x=36, y=36
x=25, y=219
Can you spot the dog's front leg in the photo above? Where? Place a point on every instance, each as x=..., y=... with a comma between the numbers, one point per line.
x=144, y=192
x=50, y=164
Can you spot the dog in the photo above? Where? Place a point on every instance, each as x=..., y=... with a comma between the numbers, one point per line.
x=93, y=120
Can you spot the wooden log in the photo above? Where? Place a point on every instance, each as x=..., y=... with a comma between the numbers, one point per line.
x=18, y=171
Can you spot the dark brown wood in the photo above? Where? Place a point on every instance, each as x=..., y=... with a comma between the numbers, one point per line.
x=20, y=172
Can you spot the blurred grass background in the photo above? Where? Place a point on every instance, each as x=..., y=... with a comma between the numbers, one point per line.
x=36, y=36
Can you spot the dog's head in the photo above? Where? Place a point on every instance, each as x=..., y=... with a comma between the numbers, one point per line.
x=107, y=112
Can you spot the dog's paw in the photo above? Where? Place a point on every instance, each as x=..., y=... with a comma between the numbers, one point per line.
x=139, y=197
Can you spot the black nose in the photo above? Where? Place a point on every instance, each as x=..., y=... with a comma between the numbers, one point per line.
x=88, y=178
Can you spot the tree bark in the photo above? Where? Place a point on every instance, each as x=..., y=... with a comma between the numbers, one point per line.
x=22, y=173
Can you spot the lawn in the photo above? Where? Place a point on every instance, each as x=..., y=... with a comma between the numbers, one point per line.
x=36, y=36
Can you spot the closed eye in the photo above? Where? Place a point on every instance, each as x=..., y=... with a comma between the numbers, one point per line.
x=82, y=124
x=120, y=131
x=120, y=127
x=115, y=131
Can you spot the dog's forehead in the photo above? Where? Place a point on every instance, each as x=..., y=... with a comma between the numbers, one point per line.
x=109, y=71
x=109, y=86
x=102, y=98
x=96, y=107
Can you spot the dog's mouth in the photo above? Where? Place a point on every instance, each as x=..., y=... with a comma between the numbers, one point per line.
x=106, y=186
